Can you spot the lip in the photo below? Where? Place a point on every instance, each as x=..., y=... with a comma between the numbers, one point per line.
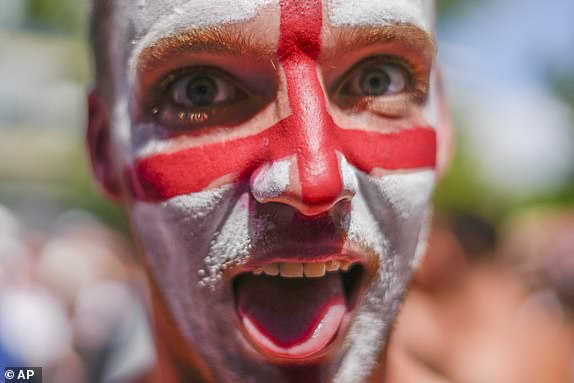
x=316, y=358
x=309, y=253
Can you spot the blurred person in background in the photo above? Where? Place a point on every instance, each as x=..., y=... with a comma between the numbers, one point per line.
x=276, y=161
x=475, y=315
x=539, y=247
x=67, y=300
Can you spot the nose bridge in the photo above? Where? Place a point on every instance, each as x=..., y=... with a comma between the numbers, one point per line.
x=315, y=182
x=310, y=125
x=319, y=174
x=310, y=178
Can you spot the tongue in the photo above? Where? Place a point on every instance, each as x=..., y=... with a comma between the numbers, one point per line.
x=291, y=317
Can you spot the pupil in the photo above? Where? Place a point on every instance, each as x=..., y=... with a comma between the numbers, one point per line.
x=202, y=91
x=375, y=83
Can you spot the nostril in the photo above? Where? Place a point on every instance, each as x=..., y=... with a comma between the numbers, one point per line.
x=315, y=209
x=305, y=209
x=349, y=176
x=282, y=181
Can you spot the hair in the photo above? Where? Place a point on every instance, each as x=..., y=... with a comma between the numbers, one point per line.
x=101, y=30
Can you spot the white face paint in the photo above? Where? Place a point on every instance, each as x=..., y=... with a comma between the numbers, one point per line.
x=169, y=16
x=192, y=239
x=391, y=213
x=189, y=239
x=364, y=12
x=272, y=180
x=154, y=20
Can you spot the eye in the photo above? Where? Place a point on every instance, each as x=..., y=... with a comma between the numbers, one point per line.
x=384, y=86
x=194, y=98
x=374, y=79
x=202, y=90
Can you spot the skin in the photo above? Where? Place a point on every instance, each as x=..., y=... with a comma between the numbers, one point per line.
x=291, y=145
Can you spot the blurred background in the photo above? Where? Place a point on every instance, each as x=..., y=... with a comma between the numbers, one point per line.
x=503, y=242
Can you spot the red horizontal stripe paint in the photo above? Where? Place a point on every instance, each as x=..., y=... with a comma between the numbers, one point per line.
x=162, y=176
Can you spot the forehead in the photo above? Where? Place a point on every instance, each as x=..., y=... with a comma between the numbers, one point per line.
x=156, y=16
x=154, y=19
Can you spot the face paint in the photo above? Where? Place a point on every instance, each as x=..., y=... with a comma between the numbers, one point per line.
x=156, y=19
x=165, y=176
x=309, y=131
x=207, y=209
x=355, y=13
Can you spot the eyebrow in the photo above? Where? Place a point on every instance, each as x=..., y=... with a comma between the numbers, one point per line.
x=208, y=40
x=235, y=42
x=352, y=38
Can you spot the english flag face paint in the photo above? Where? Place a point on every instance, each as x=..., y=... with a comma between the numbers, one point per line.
x=278, y=146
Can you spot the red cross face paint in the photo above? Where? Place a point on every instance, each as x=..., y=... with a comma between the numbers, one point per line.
x=279, y=159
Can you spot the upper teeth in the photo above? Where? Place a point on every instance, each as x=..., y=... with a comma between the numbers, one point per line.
x=297, y=270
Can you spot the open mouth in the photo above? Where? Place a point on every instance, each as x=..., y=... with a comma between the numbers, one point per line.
x=294, y=310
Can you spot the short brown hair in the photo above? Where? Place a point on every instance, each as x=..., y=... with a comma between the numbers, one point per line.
x=101, y=30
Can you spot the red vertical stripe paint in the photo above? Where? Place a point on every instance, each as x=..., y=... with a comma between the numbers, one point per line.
x=311, y=125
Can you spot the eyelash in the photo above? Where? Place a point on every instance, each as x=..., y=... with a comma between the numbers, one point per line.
x=160, y=105
x=413, y=85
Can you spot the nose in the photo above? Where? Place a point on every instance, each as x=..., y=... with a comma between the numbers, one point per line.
x=310, y=177
x=282, y=181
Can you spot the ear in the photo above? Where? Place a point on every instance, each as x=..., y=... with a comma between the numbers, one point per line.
x=99, y=143
x=445, y=132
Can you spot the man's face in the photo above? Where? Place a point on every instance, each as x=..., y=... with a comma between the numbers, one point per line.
x=278, y=159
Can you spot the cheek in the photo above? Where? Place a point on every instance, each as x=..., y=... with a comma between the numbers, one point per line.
x=176, y=233
x=409, y=149
x=398, y=205
x=194, y=236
